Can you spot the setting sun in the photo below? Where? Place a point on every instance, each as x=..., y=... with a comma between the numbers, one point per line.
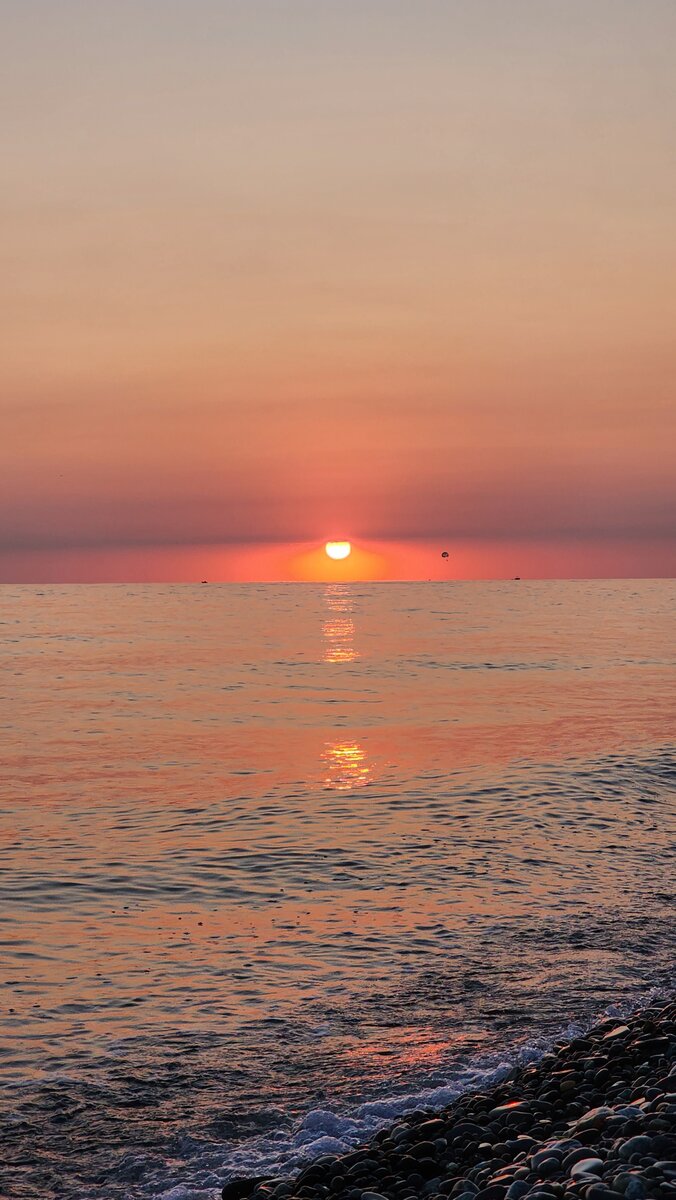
x=338, y=550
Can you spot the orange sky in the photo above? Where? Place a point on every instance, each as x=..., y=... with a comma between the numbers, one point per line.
x=372, y=561
x=279, y=273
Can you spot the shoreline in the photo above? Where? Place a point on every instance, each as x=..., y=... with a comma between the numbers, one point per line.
x=593, y=1119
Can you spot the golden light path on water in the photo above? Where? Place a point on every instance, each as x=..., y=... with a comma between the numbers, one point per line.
x=338, y=627
x=345, y=761
x=347, y=766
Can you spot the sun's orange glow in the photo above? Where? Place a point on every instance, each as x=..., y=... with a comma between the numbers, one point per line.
x=312, y=563
x=338, y=550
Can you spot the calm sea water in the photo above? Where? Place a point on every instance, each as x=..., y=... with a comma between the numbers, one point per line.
x=277, y=861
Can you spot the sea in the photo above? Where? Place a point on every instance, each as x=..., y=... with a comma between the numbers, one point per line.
x=279, y=863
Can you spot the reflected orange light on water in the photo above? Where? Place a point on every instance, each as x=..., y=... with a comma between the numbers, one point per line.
x=346, y=765
x=414, y=1048
x=339, y=634
x=345, y=761
x=338, y=628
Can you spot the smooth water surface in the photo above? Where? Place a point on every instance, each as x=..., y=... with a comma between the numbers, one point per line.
x=275, y=858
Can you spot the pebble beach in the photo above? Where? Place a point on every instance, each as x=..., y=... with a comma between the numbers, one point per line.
x=594, y=1119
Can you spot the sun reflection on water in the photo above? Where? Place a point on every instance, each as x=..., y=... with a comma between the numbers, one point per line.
x=346, y=766
x=344, y=761
x=338, y=627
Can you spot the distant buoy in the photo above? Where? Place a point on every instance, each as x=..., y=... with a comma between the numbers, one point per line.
x=444, y=553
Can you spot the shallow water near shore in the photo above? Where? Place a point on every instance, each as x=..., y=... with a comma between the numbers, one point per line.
x=278, y=860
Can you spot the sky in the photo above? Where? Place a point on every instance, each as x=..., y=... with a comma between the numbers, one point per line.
x=279, y=271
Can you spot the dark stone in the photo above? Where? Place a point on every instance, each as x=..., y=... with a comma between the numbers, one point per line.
x=586, y=1166
x=428, y=1168
x=423, y=1149
x=467, y=1129
x=574, y=1156
x=635, y=1189
x=237, y=1189
x=635, y=1145
x=549, y=1166
x=433, y=1128
x=542, y=1156
x=517, y=1189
